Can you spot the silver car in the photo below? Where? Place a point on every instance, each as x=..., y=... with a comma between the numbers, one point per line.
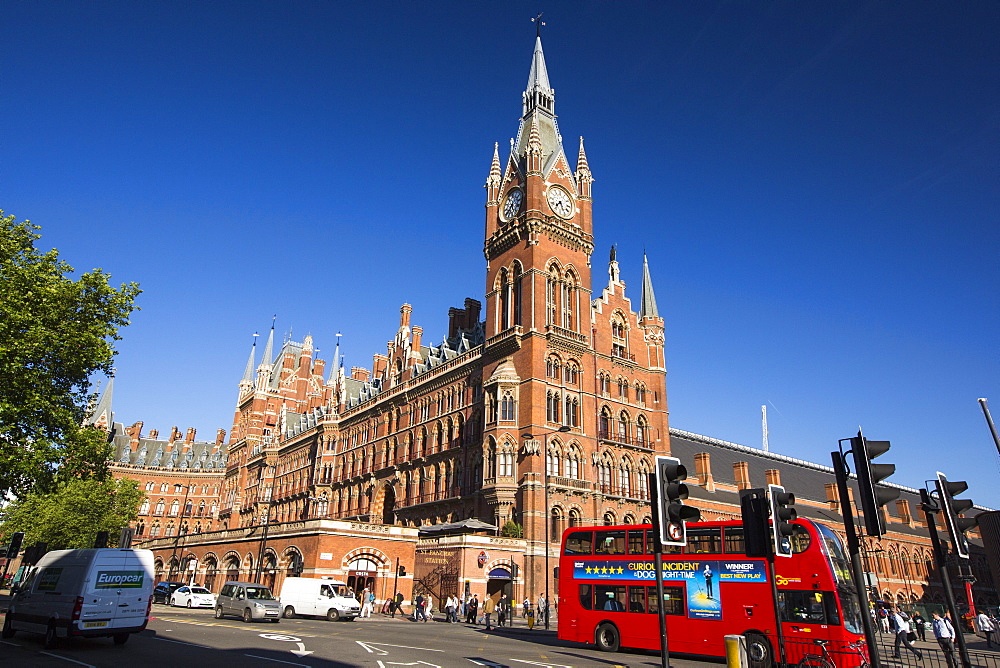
x=247, y=600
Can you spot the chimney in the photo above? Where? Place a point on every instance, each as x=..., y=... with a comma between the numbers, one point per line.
x=418, y=333
x=189, y=436
x=220, y=438
x=404, y=315
x=703, y=471
x=832, y=496
x=360, y=373
x=154, y=434
x=472, y=309
x=903, y=509
x=454, y=320
x=741, y=472
x=175, y=434
x=772, y=476
x=379, y=364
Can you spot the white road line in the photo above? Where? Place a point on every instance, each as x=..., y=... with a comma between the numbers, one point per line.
x=289, y=663
x=79, y=663
x=12, y=644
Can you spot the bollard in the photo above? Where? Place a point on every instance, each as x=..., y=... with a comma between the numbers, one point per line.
x=736, y=652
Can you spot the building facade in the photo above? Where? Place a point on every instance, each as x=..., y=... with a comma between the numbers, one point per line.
x=543, y=408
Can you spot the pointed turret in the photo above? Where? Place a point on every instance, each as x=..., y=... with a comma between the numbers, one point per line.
x=648, y=307
x=248, y=372
x=581, y=161
x=102, y=415
x=538, y=112
x=266, y=367
x=268, y=357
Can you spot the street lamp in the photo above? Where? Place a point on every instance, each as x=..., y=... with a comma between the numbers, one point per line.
x=180, y=526
x=267, y=523
x=545, y=463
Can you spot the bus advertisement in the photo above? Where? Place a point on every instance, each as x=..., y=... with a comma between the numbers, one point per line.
x=607, y=592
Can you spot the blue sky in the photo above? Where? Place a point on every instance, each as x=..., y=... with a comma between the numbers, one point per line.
x=816, y=186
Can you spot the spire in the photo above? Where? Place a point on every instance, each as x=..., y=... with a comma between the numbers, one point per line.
x=538, y=111
x=493, y=180
x=248, y=372
x=269, y=347
x=538, y=76
x=581, y=161
x=648, y=307
x=102, y=416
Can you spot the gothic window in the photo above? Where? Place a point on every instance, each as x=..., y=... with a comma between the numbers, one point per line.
x=640, y=394
x=164, y=487
x=505, y=462
x=642, y=481
x=552, y=462
x=149, y=486
x=567, y=304
x=573, y=459
x=572, y=373
x=187, y=508
x=508, y=406
x=623, y=389
x=504, y=301
x=154, y=530
x=623, y=425
x=619, y=338
x=556, y=522
x=552, y=406
x=552, y=296
x=518, y=274
x=604, y=474
x=574, y=518
x=605, y=384
x=604, y=423
x=159, y=507
x=572, y=412
x=625, y=478
x=552, y=368
x=641, y=431
x=144, y=508
x=609, y=519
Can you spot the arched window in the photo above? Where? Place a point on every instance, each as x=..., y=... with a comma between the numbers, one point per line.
x=552, y=461
x=642, y=481
x=504, y=301
x=508, y=406
x=573, y=459
x=518, y=274
x=572, y=373
x=574, y=517
x=641, y=431
x=623, y=425
x=568, y=292
x=640, y=394
x=149, y=486
x=604, y=424
x=625, y=478
x=552, y=296
x=556, y=523
x=572, y=412
x=619, y=337
x=609, y=518
x=144, y=508
x=552, y=406
x=605, y=384
x=159, y=507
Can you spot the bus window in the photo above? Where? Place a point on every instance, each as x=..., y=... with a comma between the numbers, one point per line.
x=586, y=597
x=674, y=597
x=704, y=540
x=635, y=545
x=816, y=607
x=637, y=598
x=610, y=598
x=610, y=542
x=735, y=544
x=800, y=539
x=578, y=542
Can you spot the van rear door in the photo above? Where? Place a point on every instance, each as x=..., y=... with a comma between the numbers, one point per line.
x=120, y=585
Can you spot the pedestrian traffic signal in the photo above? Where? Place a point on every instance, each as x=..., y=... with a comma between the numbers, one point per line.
x=671, y=493
x=782, y=515
x=953, y=509
x=872, y=497
x=753, y=504
x=15, y=545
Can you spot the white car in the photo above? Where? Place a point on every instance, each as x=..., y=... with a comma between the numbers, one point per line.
x=192, y=597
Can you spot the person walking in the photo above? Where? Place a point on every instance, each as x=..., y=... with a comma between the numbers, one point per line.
x=367, y=602
x=985, y=625
x=472, y=610
x=428, y=607
x=901, y=627
x=450, y=605
x=527, y=606
x=419, y=611
x=489, y=606
x=396, y=605
x=919, y=625
x=542, y=609
x=944, y=633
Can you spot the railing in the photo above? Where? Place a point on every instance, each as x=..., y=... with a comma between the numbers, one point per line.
x=626, y=439
x=568, y=482
x=567, y=334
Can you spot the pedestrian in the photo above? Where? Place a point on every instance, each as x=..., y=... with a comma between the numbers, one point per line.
x=901, y=627
x=472, y=610
x=502, y=610
x=543, y=609
x=985, y=625
x=367, y=603
x=428, y=607
x=449, y=608
x=489, y=605
x=919, y=625
x=944, y=633
x=527, y=606
x=419, y=610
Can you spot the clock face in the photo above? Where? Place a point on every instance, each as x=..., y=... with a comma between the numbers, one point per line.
x=560, y=202
x=512, y=205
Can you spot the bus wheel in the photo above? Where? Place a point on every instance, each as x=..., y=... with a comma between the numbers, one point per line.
x=759, y=651
x=608, y=639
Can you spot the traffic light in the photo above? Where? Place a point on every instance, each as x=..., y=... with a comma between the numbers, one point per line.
x=753, y=504
x=15, y=544
x=402, y=571
x=782, y=515
x=673, y=514
x=953, y=509
x=872, y=497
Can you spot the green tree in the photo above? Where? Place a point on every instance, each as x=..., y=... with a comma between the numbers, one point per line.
x=55, y=331
x=511, y=529
x=70, y=515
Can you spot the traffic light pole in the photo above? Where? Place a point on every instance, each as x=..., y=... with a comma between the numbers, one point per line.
x=854, y=550
x=658, y=561
x=930, y=509
x=777, y=609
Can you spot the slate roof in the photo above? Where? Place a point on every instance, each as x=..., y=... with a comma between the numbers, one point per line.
x=162, y=454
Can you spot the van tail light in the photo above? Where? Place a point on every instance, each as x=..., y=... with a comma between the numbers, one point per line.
x=77, y=608
x=149, y=608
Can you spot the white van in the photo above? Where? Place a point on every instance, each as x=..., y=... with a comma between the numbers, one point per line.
x=84, y=593
x=312, y=596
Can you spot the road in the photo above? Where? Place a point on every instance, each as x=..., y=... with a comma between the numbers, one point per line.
x=178, y=637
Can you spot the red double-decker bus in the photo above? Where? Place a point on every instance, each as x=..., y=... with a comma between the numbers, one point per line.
x=607, y=592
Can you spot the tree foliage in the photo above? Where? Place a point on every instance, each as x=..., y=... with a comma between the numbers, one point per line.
x=70, y=515
x=512, y=529
x=55, y=331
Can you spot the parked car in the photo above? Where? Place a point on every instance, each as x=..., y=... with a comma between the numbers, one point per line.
x=192, y=597
x=162, y=592
x=247, y=600
x=84, y=593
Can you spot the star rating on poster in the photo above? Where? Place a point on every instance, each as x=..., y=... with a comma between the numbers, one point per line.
x=604, y=570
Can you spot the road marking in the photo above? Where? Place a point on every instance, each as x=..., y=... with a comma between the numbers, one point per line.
x=370, y=646
x=287, y=663
x=12, y=644
x=79, y=663
x=486, y=662
x=223, y=626
x=301, y=651
x=279, y=636
x=547, y=665
x=416, y=663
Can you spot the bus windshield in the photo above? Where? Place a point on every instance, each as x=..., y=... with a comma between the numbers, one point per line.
x=841, y=568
